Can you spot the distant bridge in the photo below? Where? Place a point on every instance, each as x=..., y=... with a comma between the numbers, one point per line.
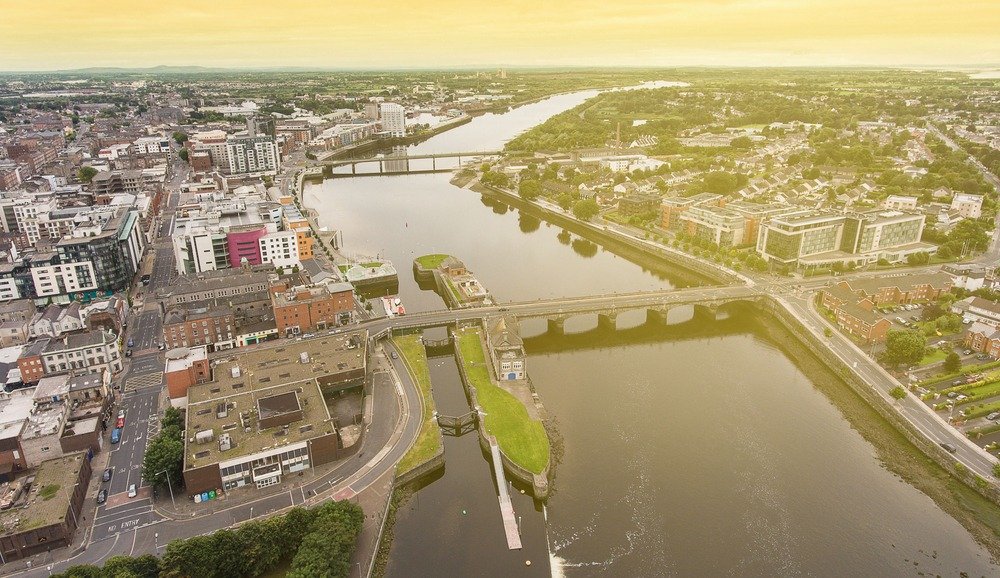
x=401, y=165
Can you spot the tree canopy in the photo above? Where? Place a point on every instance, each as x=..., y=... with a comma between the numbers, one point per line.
x=904, y=346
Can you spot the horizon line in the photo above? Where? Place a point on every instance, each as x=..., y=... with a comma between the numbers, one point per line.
x=195, y=68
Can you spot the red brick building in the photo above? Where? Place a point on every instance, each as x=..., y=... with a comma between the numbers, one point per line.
x=204, y=325
x=310, y=308
x=30, y=361
x=185, y=367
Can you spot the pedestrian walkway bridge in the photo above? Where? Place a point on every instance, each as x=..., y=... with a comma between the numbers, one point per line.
x=458, y=425
x=506, y=507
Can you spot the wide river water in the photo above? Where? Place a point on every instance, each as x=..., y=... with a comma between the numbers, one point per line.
x=693, y=449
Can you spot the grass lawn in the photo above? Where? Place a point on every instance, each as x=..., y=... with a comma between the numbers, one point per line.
x=429, y=439
x=936, y=356
x=431, y=261
x=981, y=410
x=521, y=438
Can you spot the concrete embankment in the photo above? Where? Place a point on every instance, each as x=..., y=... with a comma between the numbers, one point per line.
x=806, y=343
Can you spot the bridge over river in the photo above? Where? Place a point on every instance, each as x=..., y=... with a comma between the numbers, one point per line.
x=705, y=300
x=404, y=164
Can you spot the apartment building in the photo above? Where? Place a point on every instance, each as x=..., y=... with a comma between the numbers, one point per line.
x=253, y=155
x=393, y=119
x=968, y=206
x=90, y=351
x=673, y=207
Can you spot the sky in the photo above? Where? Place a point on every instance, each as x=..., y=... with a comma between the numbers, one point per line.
x=60, y=34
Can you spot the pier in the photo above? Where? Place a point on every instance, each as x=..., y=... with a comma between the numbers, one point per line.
x=506, y=507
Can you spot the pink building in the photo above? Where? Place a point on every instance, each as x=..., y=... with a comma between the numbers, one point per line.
x=243, y=244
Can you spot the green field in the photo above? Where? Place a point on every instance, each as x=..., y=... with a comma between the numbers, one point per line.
x=429, y=439
x=521, y=438
x=935, y=356
x=431, y=261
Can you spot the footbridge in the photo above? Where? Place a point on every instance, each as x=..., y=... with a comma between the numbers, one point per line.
x=404, y=164
x=458, y=426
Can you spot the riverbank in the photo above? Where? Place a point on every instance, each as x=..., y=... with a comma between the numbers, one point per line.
x=898, y=451
x=643, y=254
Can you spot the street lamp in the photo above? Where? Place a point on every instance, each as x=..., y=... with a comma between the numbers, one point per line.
x=169, y=487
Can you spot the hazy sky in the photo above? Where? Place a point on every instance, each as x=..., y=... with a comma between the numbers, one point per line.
x=52, y=34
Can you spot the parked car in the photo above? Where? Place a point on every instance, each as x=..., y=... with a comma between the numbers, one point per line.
x=128, y=353
x=394, y=355
x=993, y=415
x=120, y=422
x=116, y=435
x=102, y=497
x=952, y=394
x=162, y=346
x=130, y=342
x=132, y=492
x=967, y=352
x=107, y=475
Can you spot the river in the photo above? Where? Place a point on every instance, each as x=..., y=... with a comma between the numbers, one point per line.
x=695, y=448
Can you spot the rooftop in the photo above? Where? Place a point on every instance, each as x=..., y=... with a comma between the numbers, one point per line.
x=260, y=382
x=57, y=478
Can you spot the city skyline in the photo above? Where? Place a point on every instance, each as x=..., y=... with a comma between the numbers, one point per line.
x=446, y=34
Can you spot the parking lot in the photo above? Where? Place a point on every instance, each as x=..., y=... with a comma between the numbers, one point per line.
x=971, y=400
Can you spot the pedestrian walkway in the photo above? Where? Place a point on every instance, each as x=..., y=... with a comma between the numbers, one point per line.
x=506, y=507
x=141, y=381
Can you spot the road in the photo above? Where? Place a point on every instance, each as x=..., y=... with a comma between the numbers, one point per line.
x=132, y=528
x=923, y=418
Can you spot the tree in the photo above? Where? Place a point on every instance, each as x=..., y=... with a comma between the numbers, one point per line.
x=183, y=154
x=898, y=393
x=585, y=209
x=529, y=189
x=904, y=346
x=165, y=453
x=180, y=137
x=172, y=417
x=145, y=566
x=996, y=470
x=721, y=182
x=952, y=363
x=310, y=156
x=917, y=259
x=325, y=552
x=86, y=174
